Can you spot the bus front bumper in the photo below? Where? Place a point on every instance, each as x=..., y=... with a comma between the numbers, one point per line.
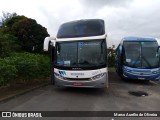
x=99, y=83
x=140, y=74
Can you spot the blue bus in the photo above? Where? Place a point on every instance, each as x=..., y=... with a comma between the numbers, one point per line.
x=138, y=58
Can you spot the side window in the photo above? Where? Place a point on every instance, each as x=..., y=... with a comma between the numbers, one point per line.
x=123, y=56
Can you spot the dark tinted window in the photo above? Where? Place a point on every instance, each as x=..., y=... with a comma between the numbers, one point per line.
x=82, y=28
x=141, y=54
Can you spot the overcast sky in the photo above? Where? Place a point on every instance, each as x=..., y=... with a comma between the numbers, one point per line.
x=122, y=17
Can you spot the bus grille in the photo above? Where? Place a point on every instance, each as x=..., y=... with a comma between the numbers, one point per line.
x=141, y=73
x=78, y=79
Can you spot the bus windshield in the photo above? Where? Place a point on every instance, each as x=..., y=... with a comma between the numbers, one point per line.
x=141, y=54
x=81, y=54
x=82, y=28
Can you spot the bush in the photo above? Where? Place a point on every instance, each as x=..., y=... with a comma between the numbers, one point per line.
x=8, y=72
x=24, y=66
x=30, y=66
x=111, y=60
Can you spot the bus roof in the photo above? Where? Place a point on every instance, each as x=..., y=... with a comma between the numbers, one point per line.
x=139, y=39
x=83, y=20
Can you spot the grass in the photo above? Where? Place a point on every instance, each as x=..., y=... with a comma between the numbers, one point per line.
x=112, y=69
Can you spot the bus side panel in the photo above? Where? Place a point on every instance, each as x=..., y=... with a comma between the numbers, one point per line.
x=52, y=64
x=119, y=62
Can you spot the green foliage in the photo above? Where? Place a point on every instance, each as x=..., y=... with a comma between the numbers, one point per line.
x=14, y=19
x=8, y=44
x=6, y=16
x=8, y=72
x=29, y=33
x=30, y=66
x=25, y=66
x=111, y=57
x=19, y=34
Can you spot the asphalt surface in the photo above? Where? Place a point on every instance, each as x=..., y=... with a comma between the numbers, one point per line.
x=115, y=98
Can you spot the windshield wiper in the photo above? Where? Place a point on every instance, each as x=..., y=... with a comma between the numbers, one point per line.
x=147, y=62
x=136, y=61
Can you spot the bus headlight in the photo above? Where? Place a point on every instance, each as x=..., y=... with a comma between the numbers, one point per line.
x=127, y=70
x=59, y=76
x=155, y=72
x=97, y=76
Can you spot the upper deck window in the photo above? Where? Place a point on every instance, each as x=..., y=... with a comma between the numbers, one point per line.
x=82, y=28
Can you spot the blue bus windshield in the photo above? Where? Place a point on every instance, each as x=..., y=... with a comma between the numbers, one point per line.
x=141, y=54
x=82, y=28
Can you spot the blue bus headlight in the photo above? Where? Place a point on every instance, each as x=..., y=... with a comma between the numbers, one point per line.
x=156, y=72
x=127, y=70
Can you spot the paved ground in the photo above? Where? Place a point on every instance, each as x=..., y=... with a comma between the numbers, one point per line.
x=115, y=98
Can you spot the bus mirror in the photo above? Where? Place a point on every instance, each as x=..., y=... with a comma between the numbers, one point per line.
x=108, y=35
x=48, y=40
x=52, y=43
x=158, y=49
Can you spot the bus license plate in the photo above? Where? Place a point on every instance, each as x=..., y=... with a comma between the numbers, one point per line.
x=77, y=84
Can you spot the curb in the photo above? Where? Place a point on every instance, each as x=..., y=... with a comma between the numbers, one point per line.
x=21, y=93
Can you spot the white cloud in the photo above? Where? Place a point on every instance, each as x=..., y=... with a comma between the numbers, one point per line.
x=122, y=18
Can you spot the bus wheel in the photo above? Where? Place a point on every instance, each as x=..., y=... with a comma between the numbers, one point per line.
x=52, y=79
x=146, y=81
x=123, y=78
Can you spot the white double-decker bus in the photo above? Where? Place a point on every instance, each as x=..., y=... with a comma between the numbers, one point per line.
x=79, y=54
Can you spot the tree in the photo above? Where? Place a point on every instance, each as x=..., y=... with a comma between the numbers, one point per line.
x=111, y=57
x=30, y=34
x=6, y=16
x=7, y=44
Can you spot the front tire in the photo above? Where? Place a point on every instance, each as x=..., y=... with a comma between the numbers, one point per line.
x=52, y=79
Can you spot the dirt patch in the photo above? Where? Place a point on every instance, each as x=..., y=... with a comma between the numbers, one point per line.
x=20, y=86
